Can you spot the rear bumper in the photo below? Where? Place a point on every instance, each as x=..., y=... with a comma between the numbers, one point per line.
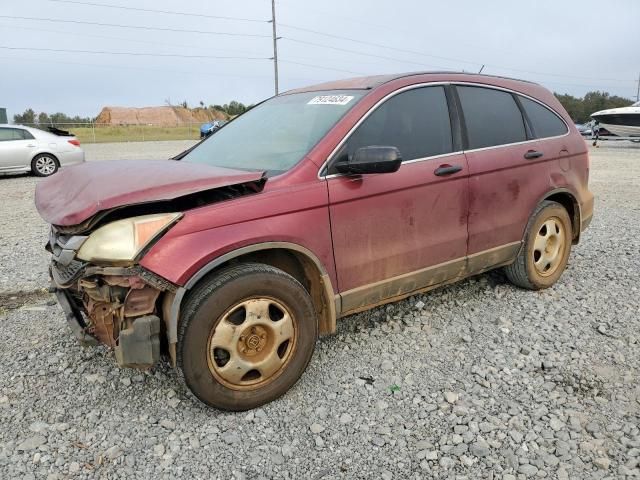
x=72, y=157
x=586, y=210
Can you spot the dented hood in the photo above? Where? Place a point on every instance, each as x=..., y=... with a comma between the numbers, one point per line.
x=77, y=193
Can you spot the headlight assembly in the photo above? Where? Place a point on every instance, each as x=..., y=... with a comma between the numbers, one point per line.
x=123, y=240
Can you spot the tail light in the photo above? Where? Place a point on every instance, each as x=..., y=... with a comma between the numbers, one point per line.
x=74, y=142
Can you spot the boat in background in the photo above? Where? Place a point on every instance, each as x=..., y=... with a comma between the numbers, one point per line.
x=624, y=121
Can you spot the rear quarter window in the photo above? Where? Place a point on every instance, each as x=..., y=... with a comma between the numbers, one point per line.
x=492, y=117
x=544, y=122
x=25, y=135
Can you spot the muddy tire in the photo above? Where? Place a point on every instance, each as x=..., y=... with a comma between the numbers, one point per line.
x=246, y=335
x=545, y=253
x=44, y=165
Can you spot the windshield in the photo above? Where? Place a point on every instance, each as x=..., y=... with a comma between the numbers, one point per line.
x=276, y=134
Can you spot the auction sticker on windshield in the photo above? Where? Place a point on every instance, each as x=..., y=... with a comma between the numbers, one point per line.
x=330, y=100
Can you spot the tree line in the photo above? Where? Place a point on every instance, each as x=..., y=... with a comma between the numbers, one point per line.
x=29, y=117
x=579, y=109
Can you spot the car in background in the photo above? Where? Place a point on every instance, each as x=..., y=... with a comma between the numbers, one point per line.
x=26, y=149
x=584, y=129
x=208, y=128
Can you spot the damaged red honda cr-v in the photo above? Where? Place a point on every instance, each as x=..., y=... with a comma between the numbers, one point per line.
x=321, y=202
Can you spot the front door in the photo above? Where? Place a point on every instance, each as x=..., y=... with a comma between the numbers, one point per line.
x=396, y=233
x=15, y=150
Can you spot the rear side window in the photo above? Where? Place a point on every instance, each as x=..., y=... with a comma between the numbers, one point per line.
x=492, y=117
x=416, y=122
x=543, y=121
x=25, y=134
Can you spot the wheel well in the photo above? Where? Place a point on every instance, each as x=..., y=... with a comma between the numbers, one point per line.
x=570, y=204
x=304, y=270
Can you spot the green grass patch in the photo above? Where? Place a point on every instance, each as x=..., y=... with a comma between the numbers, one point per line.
x=134, y=133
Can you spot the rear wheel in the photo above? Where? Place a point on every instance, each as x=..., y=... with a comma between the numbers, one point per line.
x=246, y=336
x=546, y=248
x=44, y=165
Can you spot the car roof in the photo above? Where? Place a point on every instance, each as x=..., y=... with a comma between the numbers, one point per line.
x=371, y=82
x=7, y=125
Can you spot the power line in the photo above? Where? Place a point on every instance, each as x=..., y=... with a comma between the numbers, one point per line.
x=293, y=27
x=131, y=67
x=377, y=45
x=331, y=15
x=321, y=67
x=136, y=27
x=151, y=10
x=373, y=55
x=275, y=45
x=176, y=55
x=108, y=37
x=140, y=54
x=414, y=52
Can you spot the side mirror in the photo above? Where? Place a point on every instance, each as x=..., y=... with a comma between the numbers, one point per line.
x=373, y=159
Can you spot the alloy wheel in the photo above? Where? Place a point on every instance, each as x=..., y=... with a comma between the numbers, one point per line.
x=45, y=165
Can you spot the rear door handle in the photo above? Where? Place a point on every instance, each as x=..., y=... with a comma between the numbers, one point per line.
x=447, y=169
x=531, y=154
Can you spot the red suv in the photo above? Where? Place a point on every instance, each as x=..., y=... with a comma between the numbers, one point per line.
x=233, y=257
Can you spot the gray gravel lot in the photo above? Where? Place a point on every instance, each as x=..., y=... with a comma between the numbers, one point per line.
x=475, y=380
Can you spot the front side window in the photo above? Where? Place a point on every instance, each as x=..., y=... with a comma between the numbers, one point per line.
x=8, y=134
x=277, y=134
x=416, y=122
x=492, y=117
x=544, y=122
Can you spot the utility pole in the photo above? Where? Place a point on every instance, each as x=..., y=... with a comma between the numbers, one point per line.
x=638, y=93
x=275, y=44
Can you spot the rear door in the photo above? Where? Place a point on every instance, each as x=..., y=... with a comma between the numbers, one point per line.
x=16, y=145
x=397, y=232
x=508, y=171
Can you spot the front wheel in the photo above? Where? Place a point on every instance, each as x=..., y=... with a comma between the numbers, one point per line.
x=246, y=336
x=545, y=252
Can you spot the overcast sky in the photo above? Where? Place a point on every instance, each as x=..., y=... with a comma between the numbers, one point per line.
x=571, y=46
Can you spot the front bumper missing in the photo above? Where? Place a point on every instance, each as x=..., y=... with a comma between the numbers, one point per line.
x=138, y=346
x=74, y=318
x=118, y=307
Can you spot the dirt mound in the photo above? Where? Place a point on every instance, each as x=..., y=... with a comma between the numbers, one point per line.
x=165, y=116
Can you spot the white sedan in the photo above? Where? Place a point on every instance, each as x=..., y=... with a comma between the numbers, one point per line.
x=26, y=149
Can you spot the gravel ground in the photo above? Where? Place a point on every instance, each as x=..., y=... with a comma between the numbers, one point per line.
x=475, y=380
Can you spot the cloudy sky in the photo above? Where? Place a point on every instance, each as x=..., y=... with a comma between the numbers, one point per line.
x=571, y=46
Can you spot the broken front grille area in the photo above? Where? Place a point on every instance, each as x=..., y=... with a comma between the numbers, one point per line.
x=65, y=268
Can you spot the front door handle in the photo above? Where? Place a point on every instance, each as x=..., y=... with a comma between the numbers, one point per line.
x=447, y=169
x=531, y=154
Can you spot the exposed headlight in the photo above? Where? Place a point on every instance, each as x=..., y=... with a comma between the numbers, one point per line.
x=123, y=240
